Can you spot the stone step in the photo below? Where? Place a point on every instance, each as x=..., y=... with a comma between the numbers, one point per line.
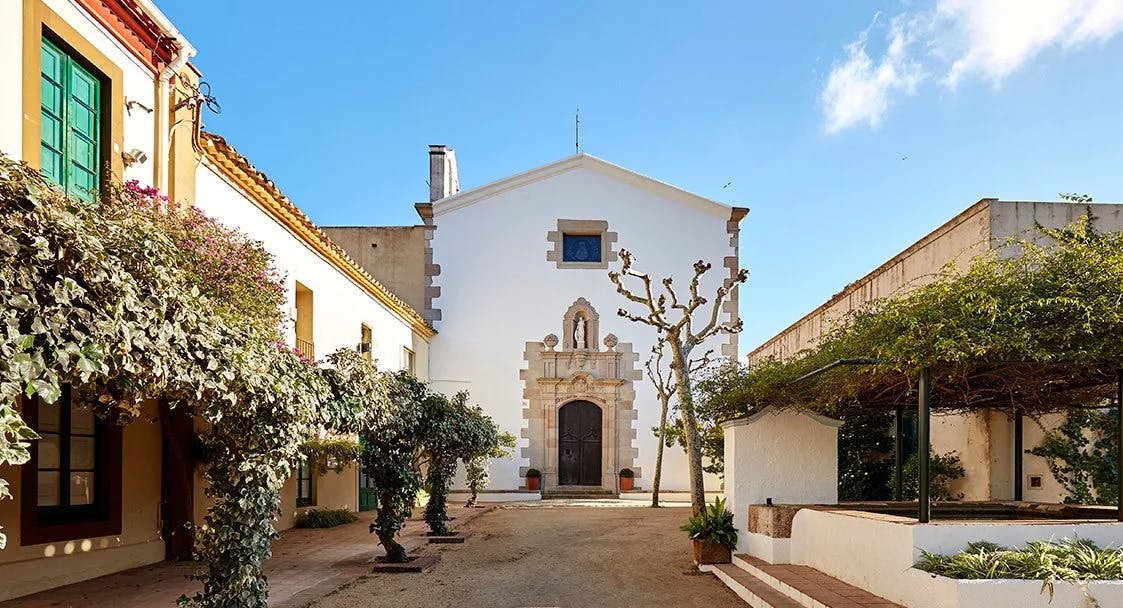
x=754, y=591
x=794, y=585
x=580, y=495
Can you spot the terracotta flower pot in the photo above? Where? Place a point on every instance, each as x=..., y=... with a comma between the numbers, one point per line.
x=627, y=483
x=532, y=483
x=711, y=553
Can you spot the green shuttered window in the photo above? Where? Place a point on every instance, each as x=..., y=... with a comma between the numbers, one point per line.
x=70, y=143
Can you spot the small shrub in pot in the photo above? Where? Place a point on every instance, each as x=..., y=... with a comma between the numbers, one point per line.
x=533, y=479
x=627, y=479
x=713, y=534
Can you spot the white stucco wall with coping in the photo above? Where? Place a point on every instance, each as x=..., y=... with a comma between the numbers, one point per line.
x=340, y=307
x=138, y=85
x=788, y=456
x=498, y=292
x=876, y=552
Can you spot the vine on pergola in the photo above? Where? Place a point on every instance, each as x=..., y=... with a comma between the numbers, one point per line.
x=1033, y=324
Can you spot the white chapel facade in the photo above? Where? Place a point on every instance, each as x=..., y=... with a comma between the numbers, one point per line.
x=513, y=276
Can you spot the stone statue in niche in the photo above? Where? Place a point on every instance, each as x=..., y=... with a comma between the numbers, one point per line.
x=579, y=332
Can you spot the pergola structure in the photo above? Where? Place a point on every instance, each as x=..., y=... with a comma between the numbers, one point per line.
x=1033, y=327
x=1088, y=384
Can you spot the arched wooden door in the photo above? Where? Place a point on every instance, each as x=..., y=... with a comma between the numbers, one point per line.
x=579, y=444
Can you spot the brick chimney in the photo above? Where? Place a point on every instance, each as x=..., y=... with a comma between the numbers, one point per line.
x=443, y=179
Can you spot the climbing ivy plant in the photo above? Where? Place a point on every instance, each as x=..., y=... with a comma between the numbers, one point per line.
x=136, y=298
x=1083, y=455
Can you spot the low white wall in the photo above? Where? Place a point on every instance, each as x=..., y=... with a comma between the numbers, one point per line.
x=458, y=498
x=1028, y=594
x=788, y=456
x=877, y=552
x=770, y=549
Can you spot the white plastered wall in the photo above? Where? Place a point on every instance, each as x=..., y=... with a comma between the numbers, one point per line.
x=340, y=307
x=787, y=456
x=498, y=292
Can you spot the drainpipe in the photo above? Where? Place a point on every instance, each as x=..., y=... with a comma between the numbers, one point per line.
x=184, y=53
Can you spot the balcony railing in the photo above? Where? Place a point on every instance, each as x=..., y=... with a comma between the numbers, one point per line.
x=306, y=348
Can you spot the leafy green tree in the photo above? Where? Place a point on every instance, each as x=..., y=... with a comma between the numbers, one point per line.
x=943, y=469
x=454, y=431
x=477, y=467
x=389, y=458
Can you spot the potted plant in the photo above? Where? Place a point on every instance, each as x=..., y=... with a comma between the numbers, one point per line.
x=533, y=479
x=627, y=479
x=713, y=534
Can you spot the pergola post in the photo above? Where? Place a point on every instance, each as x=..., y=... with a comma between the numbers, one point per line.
x=1018, y=454
x=923, y=443
x=898, y=452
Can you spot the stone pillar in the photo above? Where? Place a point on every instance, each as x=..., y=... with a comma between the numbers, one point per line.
x=789, y=456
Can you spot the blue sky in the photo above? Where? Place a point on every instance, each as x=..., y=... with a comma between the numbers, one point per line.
x=808, y=108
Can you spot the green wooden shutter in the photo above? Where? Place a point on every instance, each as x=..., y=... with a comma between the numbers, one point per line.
x=83, y=116
x=52, y=147
x=70, y=143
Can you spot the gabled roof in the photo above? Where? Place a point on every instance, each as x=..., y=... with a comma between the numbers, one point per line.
x=272, y=201
x=571, y=163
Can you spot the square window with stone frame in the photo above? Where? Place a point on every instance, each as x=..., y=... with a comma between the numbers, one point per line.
x=582, y=248
x=581, y=245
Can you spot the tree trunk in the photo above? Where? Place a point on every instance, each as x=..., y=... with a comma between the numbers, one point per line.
x=395, y=553
x=386, y=527
x=659, y=452
x=680, y=365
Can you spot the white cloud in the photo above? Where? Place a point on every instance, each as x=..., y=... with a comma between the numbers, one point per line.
x=858, y=90
x=955, y=40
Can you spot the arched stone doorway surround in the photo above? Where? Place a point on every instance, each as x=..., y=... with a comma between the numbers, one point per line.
x=579, y=366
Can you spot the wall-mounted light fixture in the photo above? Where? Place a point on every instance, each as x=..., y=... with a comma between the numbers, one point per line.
x=132, y=103
x=134, y=157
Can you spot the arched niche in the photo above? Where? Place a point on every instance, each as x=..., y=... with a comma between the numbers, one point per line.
x=581, y=327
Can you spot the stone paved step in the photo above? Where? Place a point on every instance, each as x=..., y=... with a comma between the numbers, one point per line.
x=809, y=587
x=754, y=591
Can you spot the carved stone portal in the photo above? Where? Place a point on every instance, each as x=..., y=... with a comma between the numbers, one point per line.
x=580, y=371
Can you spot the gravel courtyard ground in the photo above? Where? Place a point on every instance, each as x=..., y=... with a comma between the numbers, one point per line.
x=565, y=557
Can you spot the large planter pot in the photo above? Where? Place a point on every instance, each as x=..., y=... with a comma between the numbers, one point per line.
x=711, y=553
x=532, y=483
x=627, y=483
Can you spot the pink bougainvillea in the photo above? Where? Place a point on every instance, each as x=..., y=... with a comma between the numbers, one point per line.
x=227, y=264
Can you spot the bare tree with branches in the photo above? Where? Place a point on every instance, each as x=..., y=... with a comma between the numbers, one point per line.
x=664, y=388
x=673, y=320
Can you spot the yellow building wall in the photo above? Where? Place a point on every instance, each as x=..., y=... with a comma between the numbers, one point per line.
x=28, y=569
